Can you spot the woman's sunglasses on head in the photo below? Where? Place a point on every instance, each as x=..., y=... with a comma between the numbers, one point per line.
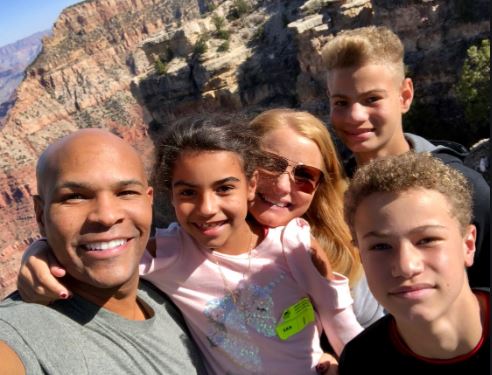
x=305, y=177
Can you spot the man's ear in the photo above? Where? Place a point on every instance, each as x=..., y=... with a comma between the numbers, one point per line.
x=469, y=244
x=39, y=211
x=150, y=194
x=252, y=184
x=406, y=95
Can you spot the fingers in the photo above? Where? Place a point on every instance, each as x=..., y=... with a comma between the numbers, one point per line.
x=327, y=365
x=30, y=289
x=55, y=268
x=36, y=282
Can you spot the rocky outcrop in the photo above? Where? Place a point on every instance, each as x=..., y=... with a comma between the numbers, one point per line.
x=14, y=58
x=133, y=66
x=81, y=79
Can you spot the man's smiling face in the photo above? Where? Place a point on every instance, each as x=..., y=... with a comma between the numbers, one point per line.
x=95, y=207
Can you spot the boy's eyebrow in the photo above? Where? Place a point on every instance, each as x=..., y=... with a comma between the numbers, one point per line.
x=374, y=91
x=218, y=182
x=88, y=186
x=384, y=234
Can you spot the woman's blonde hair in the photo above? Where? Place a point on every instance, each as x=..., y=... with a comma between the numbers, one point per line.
x=325, y=214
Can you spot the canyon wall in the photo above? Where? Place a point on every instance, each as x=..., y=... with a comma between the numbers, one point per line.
x=133, y=66
x=81, y=79
x=14, y=58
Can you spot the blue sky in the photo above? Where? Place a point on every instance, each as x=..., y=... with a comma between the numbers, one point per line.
x=21, y=18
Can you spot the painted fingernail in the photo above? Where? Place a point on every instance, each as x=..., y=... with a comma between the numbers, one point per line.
x=321, y=367
x=63, y=295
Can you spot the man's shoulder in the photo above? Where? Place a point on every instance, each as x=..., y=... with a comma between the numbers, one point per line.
x=13, y=308
x=36, y=332
x=31, y=320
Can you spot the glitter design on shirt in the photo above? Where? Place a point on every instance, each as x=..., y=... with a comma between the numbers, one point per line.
x=229, y=321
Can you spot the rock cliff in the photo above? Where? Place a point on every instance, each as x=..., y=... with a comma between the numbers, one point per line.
x=14, y=58
x=133, y=66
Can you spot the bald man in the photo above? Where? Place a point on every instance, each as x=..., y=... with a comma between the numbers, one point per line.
x=94, y=206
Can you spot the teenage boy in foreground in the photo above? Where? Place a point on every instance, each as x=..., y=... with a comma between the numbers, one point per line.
x=369, y=94
x=410, y=217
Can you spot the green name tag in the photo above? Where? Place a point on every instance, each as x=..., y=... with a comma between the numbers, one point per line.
x=295, y=318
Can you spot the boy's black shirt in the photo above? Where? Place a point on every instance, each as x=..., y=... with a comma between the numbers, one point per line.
x=379, y=350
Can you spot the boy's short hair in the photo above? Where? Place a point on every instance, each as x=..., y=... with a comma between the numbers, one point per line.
x=396, y=174
x=366, y=45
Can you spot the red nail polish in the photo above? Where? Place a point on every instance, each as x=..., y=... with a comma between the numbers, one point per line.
x=63, y=295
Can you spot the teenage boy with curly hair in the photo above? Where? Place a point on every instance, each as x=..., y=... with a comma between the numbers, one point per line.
x=410, y=217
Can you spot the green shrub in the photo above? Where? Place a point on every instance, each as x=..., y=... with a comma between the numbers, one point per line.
x=223, y=34
x=224, y=47
x=200, y=46
x=238, y=9
x=160, y=66
x=473, y=87
x=218, y=22
x=210, y=6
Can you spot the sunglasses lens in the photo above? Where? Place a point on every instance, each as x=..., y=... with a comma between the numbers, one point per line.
x=307, y=177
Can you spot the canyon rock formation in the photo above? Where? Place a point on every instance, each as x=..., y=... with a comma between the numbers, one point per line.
x=14, y=59
x=133, y=66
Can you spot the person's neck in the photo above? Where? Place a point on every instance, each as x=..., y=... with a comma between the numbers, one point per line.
x=397, y=146
x=121, y=300
x=251, y=235
x=456, y=333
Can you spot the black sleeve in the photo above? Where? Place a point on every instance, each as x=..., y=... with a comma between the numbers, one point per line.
x=347, y=362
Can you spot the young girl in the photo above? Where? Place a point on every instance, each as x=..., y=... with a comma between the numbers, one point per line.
x=251, y=296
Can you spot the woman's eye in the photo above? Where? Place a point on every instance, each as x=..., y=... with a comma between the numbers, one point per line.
x=303, y=175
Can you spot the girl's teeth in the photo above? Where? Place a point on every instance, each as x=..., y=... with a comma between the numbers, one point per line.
x=99, y=246
x=208, y=225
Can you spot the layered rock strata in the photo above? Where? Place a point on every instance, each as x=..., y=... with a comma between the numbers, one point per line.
x=133, y=66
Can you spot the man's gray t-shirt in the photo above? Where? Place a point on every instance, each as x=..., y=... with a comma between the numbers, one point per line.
x=78, y=337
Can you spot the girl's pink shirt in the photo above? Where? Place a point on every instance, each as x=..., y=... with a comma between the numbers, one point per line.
x=237, y=334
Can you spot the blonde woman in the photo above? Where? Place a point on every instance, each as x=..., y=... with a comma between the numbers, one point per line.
x=309, y=182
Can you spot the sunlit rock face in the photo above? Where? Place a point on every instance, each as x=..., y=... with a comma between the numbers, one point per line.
x=133, y=66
